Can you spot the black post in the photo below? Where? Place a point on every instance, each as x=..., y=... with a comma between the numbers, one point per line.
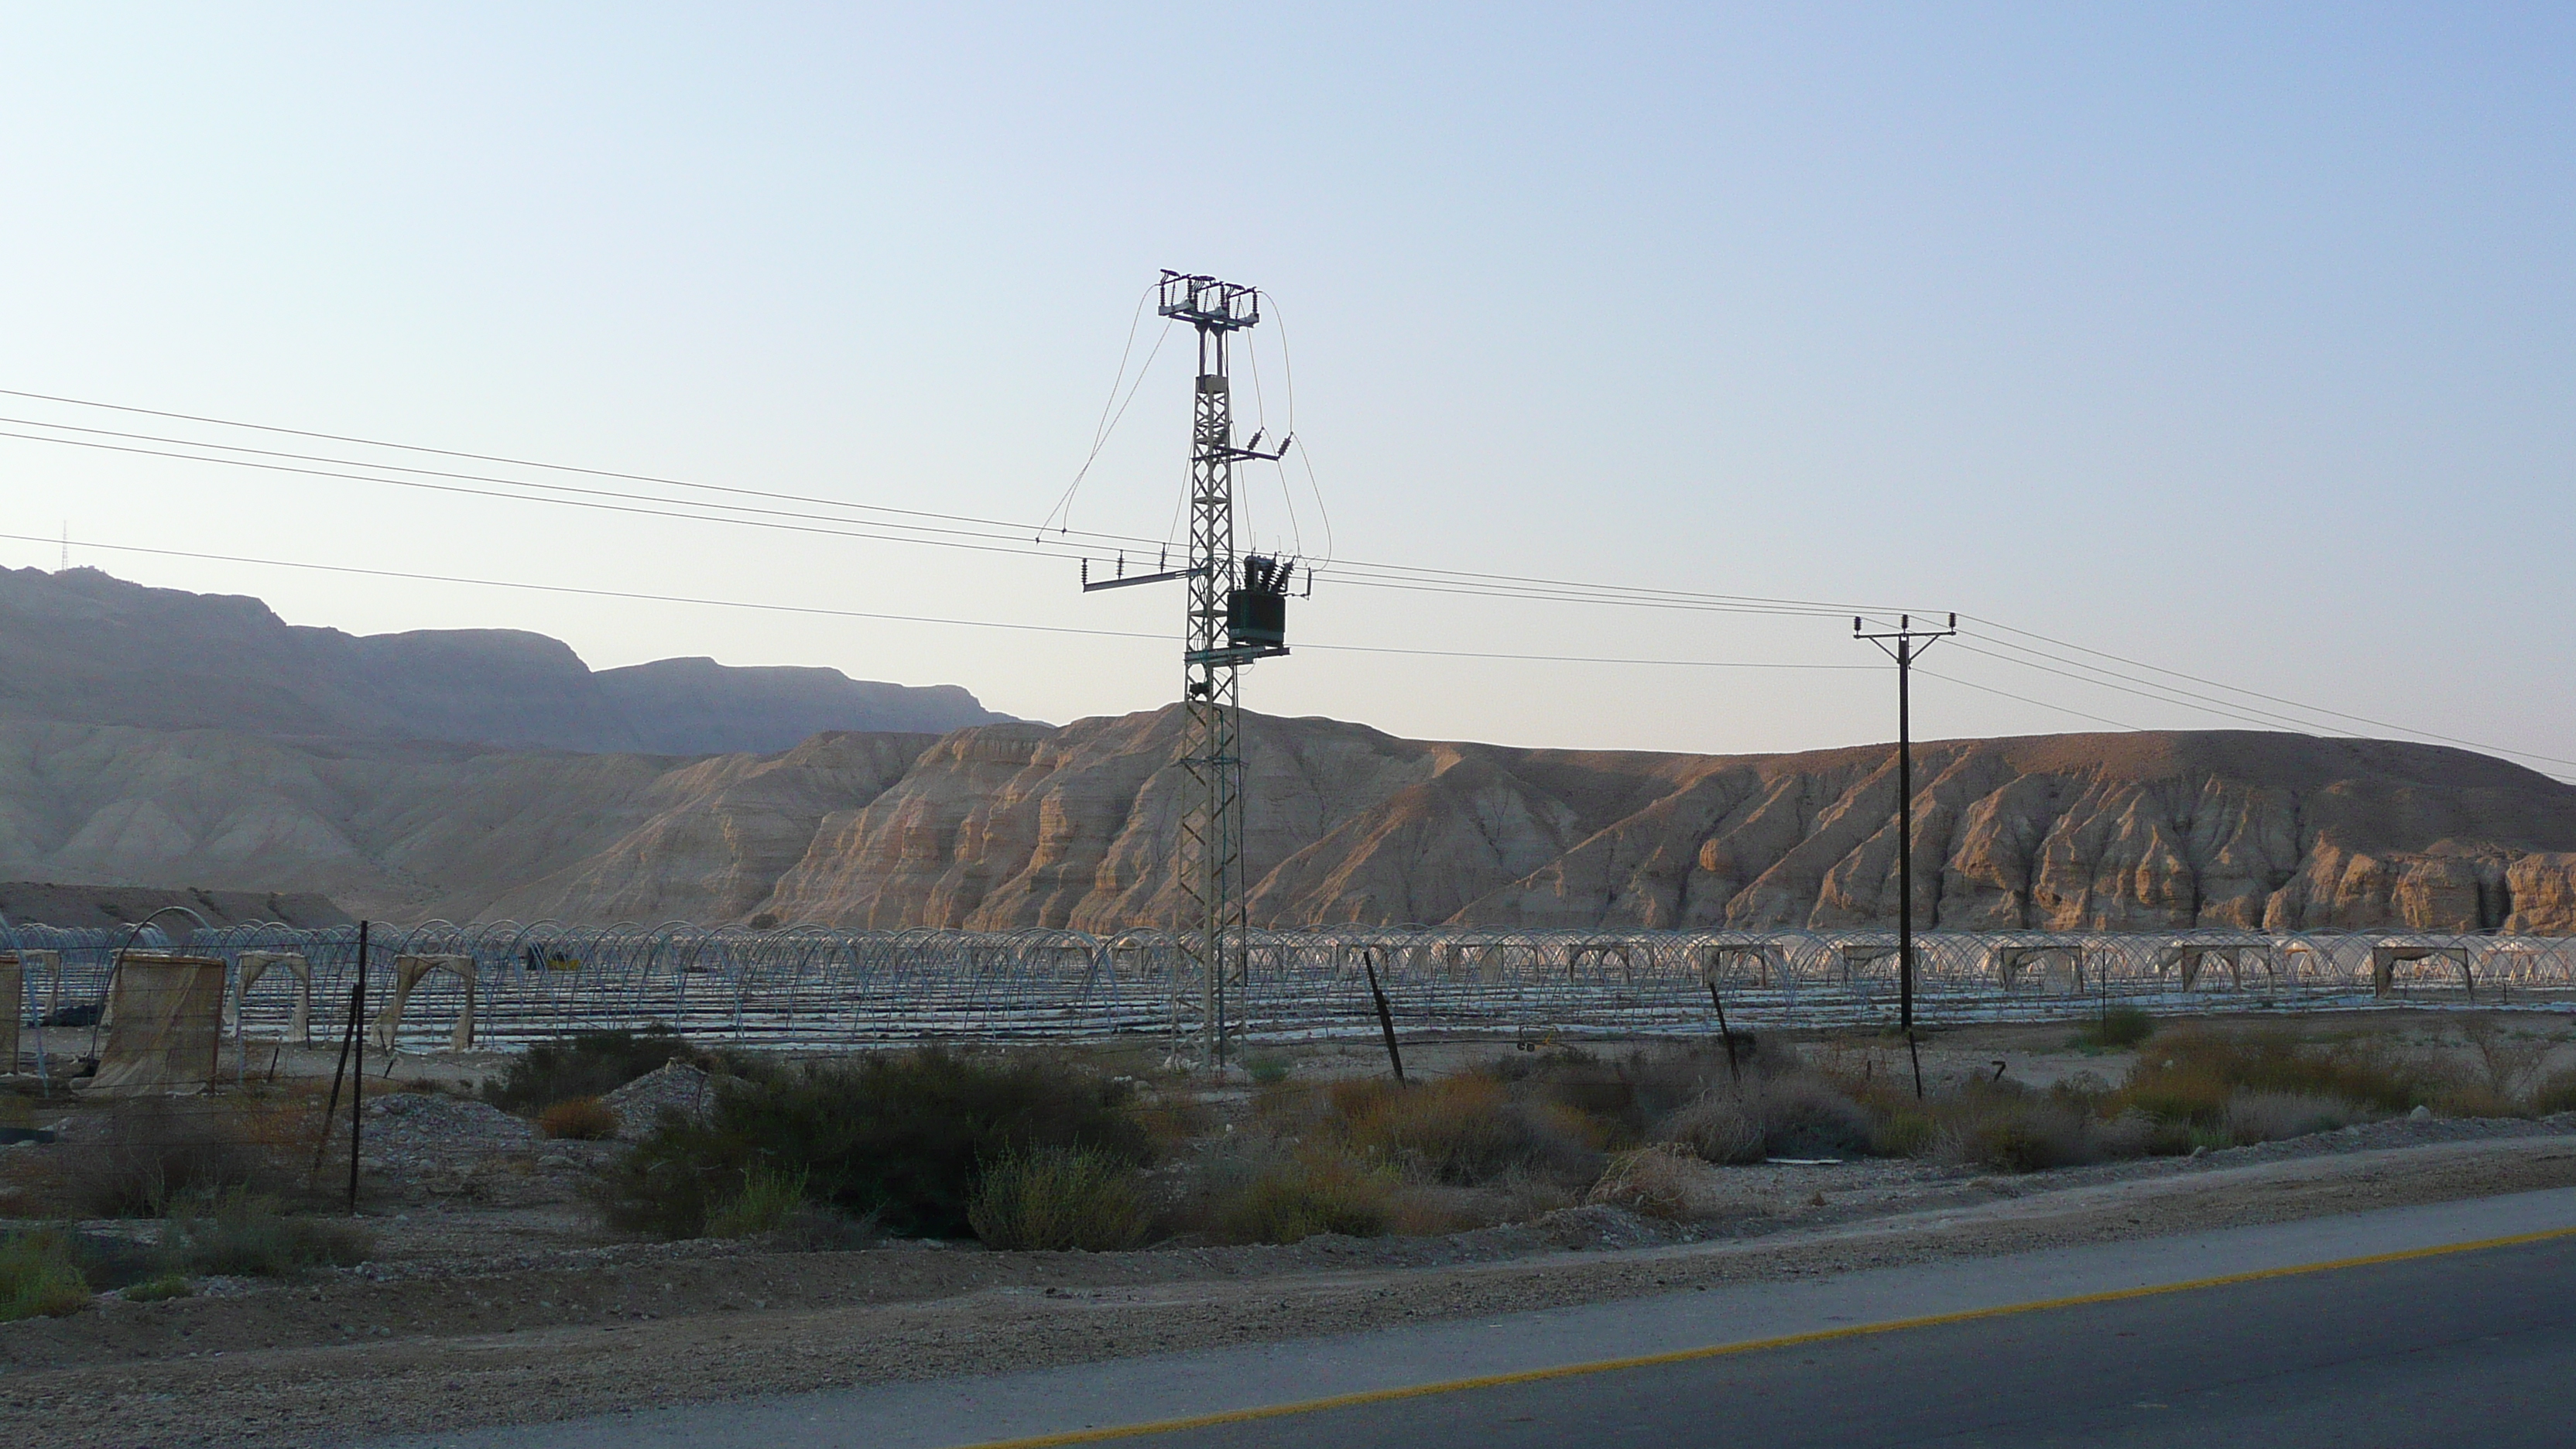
x=358, y=1097
x=1905, y=854
x=1733, y=1072
x=1385, y=1018
x=331, y=1112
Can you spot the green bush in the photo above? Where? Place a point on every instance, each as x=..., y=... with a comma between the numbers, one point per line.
x=899, y=1137
x=585, y=1064
x=1058, y=1198
x=241, y=1234
x=160, y=1290
x=39, y=1279
x=769, y=1200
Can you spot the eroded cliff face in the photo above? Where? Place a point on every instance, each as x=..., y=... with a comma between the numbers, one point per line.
x=1012, y=826
x=1009, y=825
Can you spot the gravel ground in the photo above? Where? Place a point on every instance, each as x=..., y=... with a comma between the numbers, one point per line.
x=500, y=1316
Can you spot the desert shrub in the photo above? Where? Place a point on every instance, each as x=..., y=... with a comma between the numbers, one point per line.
x=2017, y=1131
x=2191, y=1076
x=2555, y=1093
x=241, y=1234
x=1268, y=1069
x=1806, y=1115
x=2253, y=1117
x=1466, y=1128
x=1650, y=1180
x=1793, y=1113
x=2507, y=1061
x=1629, y=1095
x=766, y=1202
x=1719, y=1126
x=585, y=1064
x=581, y=1119
x=2115, y=1029
x=151, y=1151
x=1058, y=1198
x=2474, y=1099
x=900, y=1136
x=1296, y=1198
x=39, y=1279
x=160, y=1289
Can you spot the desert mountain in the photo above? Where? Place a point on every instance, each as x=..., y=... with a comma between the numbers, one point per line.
x=1007, y=825
x=82, y=647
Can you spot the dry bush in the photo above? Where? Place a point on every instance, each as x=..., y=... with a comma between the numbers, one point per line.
x=1807, y=1115
x=2017, y=1131
x=1463, y=1129
x=580, y=1119
x=1059, y=1198
x=1721, y=1126
x=2555, y=1093
x=2192, y=1074
x=2253, y=1117
x=2470, y=1098
x=2508, y=1061
x=1654, y=1181
x=1628, y=1095
x=1296, y=1197
x=147, y=1153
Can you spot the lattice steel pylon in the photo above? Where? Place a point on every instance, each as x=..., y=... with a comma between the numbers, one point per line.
x=1236, y=614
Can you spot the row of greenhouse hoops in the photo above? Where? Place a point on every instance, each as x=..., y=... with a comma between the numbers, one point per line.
x=813, y=987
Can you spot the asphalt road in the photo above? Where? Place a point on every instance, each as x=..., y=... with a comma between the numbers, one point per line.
x=2433, y=1340
x=2475, y=1348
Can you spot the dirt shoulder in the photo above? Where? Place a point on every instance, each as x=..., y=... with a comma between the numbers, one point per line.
x=557, y=1334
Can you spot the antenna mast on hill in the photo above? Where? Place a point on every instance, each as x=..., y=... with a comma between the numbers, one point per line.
x=1237, y=613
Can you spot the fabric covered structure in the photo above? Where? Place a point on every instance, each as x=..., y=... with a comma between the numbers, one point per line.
x=251, y=966
x=165, y=1017
x=408, y=973
x=2387, y=956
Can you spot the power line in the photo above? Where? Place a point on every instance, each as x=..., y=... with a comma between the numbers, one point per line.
x=1591, y=592
x=2234, y=689
x=1399, y=577
x=818, y=610
x=1006, y=539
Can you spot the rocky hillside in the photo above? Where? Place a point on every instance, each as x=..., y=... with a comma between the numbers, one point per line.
x=1008, y=825
x=84, y=648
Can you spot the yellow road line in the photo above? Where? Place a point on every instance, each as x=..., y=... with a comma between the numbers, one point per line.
x=1691, y=1355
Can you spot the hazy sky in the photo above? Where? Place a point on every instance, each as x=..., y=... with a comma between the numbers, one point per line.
x=2232, y=339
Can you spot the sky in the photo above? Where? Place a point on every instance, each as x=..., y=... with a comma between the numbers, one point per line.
x=2232, y=341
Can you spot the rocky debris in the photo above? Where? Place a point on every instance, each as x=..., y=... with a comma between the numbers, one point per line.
x=676, y=1086
x=422, y=1131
